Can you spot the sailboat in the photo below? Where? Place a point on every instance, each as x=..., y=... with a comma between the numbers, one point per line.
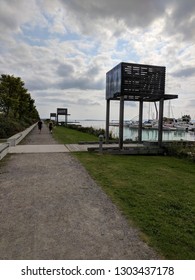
x=151, y=122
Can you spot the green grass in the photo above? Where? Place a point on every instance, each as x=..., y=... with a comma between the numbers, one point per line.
x=156, y=193
x=71, y=136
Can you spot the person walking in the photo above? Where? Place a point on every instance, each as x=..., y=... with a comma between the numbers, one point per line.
x=50, y=126
x=40, y=125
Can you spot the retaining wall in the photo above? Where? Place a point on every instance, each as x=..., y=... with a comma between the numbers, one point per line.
x=4, y=149
x=14, y=140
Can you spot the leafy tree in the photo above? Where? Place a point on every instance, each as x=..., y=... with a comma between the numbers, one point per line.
x=186, y=118
x=16, y=103
x=10, y=89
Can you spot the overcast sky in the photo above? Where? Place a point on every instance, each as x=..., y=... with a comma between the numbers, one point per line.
x=62, y=50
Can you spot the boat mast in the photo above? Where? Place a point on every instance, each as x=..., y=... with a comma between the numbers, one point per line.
x=156, y=110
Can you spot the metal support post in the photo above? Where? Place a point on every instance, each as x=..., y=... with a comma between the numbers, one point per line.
x=121, y=122
x=66, y=120
x=140, y=121
x=101, y=138
x=160, y=122
x=107, y=119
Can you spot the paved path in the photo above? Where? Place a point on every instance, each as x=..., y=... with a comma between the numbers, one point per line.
x=29, y=149
x=50, y=208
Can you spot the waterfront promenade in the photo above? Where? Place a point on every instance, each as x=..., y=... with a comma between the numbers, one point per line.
x=50, y=208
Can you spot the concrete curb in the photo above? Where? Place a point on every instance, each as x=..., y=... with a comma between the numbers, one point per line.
x=4, y=149
x=17, y=138
x=14, y=140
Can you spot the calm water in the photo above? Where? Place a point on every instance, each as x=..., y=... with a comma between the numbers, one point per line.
x=147, y=135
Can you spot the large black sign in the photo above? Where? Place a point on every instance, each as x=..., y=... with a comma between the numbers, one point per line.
x=62, y=111
x=135, y=82
x=113, y=82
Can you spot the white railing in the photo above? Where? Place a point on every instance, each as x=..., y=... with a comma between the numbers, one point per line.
x=14, y=140
x=4, y=149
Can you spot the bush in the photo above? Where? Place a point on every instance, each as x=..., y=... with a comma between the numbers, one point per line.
x=90, y=130
x=9, y=126
x=182, y=150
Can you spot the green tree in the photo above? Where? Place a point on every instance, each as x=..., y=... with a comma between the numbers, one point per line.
x=10, y=90
x=15, y=101
x=186, y=118
x=17, y=108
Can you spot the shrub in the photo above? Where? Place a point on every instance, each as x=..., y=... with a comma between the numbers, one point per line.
x=182, y=150
x=9, y=126
x=90, y=130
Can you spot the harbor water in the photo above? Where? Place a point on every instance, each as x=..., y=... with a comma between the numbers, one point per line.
x=147, y=134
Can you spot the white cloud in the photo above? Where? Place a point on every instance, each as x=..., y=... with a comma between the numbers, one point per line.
x=62, y=49
x=13, y=14
x=181, y=19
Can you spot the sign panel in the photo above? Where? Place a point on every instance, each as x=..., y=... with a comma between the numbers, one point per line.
x=113, y=82
x=135, y=81
x=62, y=111
x=53, y=115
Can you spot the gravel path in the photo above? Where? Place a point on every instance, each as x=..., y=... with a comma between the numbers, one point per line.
x=50, y=208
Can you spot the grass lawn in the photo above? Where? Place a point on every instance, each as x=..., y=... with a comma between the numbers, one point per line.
x=156, y=193
x=71, y=136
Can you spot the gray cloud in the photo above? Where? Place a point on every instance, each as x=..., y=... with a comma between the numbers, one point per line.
x=60, y=45
x=130, y=11
x=80, y=77
x=185, y=72
x=67, y=102
x=178, y=14
x=38, y=84
x=65, y=70
x=191, y=103
x=181, y=18
x=87, y=102
x=83, y=83
x=13, y=14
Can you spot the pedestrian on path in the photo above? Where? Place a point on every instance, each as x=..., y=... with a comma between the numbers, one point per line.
x=40, y=125
x=50, y=126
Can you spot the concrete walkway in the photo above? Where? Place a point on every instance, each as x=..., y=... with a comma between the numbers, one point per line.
x=29, y=149
x=50, y=208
